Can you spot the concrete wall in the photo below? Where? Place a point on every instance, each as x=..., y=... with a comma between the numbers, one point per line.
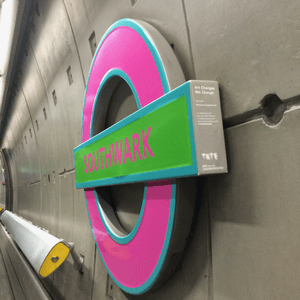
x=245, y=238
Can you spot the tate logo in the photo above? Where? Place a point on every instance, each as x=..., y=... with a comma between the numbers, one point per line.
x=210, y=156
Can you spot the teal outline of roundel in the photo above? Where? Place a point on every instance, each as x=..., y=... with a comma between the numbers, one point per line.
x=153, y=277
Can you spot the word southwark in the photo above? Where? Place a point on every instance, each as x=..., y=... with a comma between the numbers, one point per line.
x=118, y=153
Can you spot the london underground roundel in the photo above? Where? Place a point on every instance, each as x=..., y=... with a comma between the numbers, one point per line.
x=140, y=260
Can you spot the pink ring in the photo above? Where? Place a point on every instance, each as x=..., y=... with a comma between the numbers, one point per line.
x=133, y=265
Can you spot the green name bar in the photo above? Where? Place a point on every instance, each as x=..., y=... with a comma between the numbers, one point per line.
x=156, y=142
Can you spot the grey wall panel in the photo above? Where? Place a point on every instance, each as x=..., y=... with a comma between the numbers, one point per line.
x=66, y=208
x=27, y=171
x=79, y=15
x=2, y=187
x=21, y=109
x=70, y=284
x=66, y=113
x=4, y=141
x=83, y=238
x=14, y=147
x=255, y=213
x=14, y=126
x=10, y=144
x=25, y=197
x=31, y=160
x=89, y=16
x=74, y=227
x=100, y=280
x=54, y=35
x=36, y=97
x=17, y=203
x=37, y=101
x=50, y=204
x=35, y=206
x=251, y=48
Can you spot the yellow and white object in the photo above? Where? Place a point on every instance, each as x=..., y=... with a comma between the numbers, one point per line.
x=44, y=251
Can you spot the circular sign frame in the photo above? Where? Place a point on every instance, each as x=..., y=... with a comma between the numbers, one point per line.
x=143, y=259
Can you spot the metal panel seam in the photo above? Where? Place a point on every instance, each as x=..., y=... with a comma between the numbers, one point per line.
x=36, y=143
x=189, y=38
x=84, y=81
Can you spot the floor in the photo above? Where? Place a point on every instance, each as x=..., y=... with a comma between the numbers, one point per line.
x=5, y=287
